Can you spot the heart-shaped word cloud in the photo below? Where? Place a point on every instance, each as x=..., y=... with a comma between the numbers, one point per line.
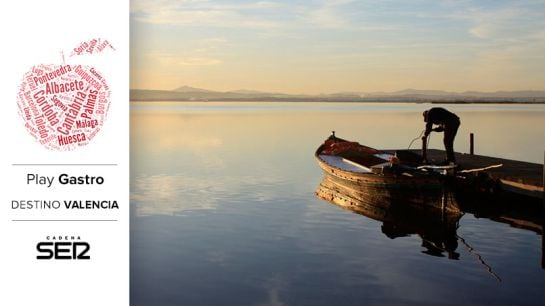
x=63, y=106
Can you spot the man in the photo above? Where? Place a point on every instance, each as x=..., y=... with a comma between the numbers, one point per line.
x=448, y=123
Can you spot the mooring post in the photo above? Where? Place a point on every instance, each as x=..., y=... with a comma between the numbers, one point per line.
x=424, y=150
x=471, y=144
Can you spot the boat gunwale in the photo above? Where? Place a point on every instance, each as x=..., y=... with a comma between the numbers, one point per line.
x=370, y=177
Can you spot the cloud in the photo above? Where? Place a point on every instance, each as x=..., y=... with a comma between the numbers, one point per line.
x=204, y=54
x=213, y=40
x=206, y=45
x=500, y=21
x=198, y=61
x=203, y=13
x=489, y=24
x=329, y=14
x=180, y=60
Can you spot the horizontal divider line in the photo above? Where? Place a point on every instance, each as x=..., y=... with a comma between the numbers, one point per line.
x=64, y=164
x=60, y=220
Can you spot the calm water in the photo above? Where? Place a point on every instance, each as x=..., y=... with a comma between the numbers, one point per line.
x=223, y=210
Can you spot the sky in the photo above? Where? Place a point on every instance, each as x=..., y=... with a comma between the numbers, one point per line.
x=314, y=47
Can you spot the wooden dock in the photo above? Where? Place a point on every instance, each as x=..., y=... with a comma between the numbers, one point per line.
x=514, y=176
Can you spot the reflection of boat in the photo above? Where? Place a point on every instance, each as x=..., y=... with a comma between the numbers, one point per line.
x=368, y=173
x=400, y=218
x=517, y=211
x=437, y=228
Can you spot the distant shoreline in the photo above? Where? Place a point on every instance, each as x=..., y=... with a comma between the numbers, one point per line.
x=408, y=96
x=351, y=101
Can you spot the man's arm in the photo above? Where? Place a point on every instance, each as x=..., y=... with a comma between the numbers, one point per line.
x=428, y=128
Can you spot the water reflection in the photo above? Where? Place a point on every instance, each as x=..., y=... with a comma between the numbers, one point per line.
x=177, y=194
x=401, y=218
x=436, y=225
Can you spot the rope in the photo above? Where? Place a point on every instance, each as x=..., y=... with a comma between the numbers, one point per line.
x=481, y=169
x=479, y=258
x=419, y=136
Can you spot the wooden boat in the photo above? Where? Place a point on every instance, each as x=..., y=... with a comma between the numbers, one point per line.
x=379, y=176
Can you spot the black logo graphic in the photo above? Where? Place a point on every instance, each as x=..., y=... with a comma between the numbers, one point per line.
x=64, y=248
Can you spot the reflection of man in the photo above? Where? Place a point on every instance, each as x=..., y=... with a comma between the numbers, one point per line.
x=436, y=248
x=448, y=123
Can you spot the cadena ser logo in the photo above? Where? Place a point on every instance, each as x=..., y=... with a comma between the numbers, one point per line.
x=59, y=247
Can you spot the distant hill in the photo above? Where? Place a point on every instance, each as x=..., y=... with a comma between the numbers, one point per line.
x=188, y=93
x=186, y=88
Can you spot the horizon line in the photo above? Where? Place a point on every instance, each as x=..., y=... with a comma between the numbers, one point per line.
x=348, y=91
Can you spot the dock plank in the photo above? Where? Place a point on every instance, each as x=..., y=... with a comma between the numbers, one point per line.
x=518, y=176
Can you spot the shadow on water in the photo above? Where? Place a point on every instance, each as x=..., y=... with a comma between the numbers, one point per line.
x=437, y=222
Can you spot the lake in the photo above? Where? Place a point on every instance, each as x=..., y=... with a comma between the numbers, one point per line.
x=224, y=211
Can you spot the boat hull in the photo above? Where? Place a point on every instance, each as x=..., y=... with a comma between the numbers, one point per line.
x=381, y=189
x=352, y=194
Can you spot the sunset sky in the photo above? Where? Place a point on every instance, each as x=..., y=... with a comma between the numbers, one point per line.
x=317, y=47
